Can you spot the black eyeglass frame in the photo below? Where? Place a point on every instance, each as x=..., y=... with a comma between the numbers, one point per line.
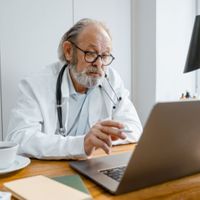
x=98, y=55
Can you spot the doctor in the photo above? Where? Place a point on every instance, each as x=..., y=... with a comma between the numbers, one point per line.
x=77, y=105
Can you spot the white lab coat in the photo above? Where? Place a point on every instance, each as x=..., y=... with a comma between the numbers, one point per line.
x=34, y=120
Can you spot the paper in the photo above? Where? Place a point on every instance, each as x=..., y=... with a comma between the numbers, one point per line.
x=41, y=187
x=5, y=195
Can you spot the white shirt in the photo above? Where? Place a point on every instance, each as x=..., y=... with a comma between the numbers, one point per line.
x=34, y=120
x=78, y=123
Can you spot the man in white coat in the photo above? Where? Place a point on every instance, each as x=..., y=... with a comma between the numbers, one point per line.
x=76, y=105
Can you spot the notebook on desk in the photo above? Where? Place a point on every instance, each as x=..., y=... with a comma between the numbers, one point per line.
x=169, y=148
x=42, y=188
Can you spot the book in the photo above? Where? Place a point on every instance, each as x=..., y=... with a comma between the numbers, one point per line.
x=73, y=181
x=41, y=187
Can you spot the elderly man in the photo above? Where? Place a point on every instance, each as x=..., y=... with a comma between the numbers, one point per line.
x=77, y=105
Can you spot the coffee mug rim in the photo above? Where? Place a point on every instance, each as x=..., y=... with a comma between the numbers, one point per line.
x=8, y=144
x=8, y=153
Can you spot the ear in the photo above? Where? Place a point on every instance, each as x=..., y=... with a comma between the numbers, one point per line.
x=68, y=50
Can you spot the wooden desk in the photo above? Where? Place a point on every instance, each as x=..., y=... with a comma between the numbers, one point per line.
x=185, y=188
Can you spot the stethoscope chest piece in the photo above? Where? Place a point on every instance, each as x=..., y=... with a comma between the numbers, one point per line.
x=61, y=131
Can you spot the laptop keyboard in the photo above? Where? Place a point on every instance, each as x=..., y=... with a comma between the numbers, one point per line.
x=114, y=173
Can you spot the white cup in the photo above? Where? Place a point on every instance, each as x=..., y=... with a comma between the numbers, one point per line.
x=8, y=152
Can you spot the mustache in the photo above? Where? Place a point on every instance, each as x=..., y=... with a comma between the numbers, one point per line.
x=93, y=70
x=88, y=69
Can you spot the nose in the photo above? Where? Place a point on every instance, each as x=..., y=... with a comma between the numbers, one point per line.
x=98, y=62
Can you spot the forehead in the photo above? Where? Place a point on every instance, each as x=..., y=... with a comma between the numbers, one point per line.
x=95, y=36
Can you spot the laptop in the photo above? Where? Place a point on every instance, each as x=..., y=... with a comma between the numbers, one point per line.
x=168, y=149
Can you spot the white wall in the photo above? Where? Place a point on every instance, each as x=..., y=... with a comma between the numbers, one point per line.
x=162, y=33
x=174, y=24
x=30, y=32
x=144, y=55
x=1, y=130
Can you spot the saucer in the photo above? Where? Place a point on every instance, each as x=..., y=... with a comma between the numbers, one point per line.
x=19, y=163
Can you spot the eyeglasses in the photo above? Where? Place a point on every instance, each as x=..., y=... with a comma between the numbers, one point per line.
x=91, y=56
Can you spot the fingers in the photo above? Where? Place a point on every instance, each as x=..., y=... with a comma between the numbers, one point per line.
x=103, y=145
x=105, y=138
x=113, y=132
x=95, y=140
x=101, y=136
x=112, y=123
x=113, y=138
x=112, y=127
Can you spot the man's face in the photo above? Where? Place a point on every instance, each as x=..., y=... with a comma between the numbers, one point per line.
x=93, y=39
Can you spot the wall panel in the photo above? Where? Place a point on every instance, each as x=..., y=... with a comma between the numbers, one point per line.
x=30, y=33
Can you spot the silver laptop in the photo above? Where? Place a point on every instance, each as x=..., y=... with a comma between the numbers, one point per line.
x=169, y=148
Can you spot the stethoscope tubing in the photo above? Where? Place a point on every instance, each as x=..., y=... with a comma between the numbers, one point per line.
x=61, y=130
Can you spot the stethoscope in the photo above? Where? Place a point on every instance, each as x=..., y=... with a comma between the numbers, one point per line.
x=61, y=130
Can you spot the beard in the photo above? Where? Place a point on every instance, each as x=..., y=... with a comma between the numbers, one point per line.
x=84, y=79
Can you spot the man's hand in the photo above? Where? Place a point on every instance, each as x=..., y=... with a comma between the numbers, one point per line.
x=101, y=136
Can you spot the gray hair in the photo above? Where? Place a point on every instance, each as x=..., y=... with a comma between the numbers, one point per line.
x=73, y=33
